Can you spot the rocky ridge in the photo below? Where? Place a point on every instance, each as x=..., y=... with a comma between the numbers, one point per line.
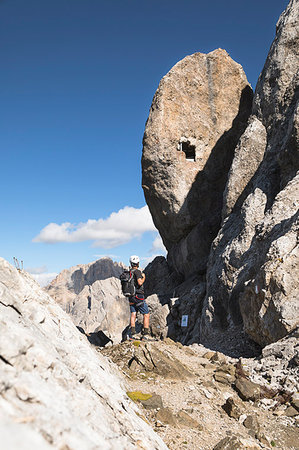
x=91, y=295
x=55, y=390
x=253, y=267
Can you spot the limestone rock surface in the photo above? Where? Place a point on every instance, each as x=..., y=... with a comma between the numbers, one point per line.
x=191, y=407
x=101, y=307
x=159, y=312
x=278, y=365
x=56, y=391
x=197, y=115
x=160, y=279
x=169, y=298
x=253, y=268
x=70, y=282
x=91, y=294
x=234, y=205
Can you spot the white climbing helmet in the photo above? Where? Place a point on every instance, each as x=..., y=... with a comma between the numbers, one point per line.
x=134, y=259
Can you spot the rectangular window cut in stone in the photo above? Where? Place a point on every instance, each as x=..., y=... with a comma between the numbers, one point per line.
x=188, y=149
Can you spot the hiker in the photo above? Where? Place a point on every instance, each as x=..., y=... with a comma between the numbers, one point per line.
x=137, y=302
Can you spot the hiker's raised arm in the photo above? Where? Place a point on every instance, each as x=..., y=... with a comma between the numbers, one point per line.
x=140, y=281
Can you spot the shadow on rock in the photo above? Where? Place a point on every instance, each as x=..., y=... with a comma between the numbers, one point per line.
x=97, y=338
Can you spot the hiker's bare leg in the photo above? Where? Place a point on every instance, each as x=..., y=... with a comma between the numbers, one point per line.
x=133, y=319
x=146, y=318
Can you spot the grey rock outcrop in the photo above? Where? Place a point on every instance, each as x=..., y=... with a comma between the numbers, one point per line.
x=160, y=279
x=70, y=282
x=253, y=269
x=159, y=313
x=91, y=294
x=197, y=115
x=236, y=204
x=278, y=365
x=101, y=307
x=56, y=391
x=169, y=298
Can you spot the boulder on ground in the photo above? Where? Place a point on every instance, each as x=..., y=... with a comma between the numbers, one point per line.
x=252, y=423
x=236, y=443
x=247, y=389
x=232, y=408
x=165, y=415
x=159, y=312
x=185, y=420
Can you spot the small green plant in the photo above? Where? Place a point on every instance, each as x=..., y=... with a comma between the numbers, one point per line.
x=136, y=343
x=273, y=443
x=137, y=396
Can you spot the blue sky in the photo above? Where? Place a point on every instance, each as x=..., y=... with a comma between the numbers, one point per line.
x=76, y=83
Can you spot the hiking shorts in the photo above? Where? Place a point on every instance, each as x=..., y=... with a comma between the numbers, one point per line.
x=140, y=307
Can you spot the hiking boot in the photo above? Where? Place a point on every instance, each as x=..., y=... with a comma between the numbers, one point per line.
x=147, y=337
x=132, y=332
x=133, y=335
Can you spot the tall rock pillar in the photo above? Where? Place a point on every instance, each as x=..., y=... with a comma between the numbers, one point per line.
x=197, y=115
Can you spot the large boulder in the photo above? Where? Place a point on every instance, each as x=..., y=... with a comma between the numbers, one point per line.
x=56, y=391
x=101, y=307
x=170, y=298
x=91, y=294
x=253, y=268
x=197, y=115
x=159, y=315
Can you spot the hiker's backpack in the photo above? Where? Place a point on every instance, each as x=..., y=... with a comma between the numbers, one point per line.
x=127, y=283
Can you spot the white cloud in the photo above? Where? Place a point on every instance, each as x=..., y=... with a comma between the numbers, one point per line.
x=158, y=245
x=148, y=259
x=119, y=228
x=44, y=278
x=41, y=275
x=157, y=249
x=106, y=256
x=36, y=270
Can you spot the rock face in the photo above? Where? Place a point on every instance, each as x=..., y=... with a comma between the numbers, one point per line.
x=91, y=294
x=160, y=279
x=197, y=115
x=169, y=299
x=253, y=269
x=56, y=391
x=278, y=364
x=242, y=194
x=70, y=282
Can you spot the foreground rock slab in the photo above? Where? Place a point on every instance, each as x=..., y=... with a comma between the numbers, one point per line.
x=56, y=391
